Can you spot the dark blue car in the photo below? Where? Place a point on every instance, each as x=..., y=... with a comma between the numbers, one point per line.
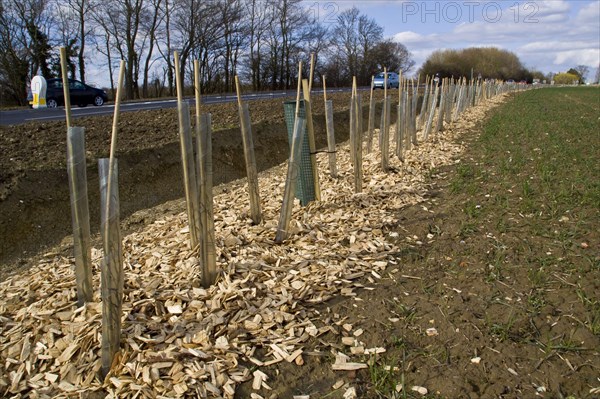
x=81, y=94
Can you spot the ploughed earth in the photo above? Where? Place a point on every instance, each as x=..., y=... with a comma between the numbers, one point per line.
x=374, y=294
x=34, y=191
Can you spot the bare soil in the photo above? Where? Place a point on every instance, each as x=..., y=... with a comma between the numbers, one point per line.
x=34, y=196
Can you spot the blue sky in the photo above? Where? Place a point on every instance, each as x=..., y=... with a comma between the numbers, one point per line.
x=551, y=36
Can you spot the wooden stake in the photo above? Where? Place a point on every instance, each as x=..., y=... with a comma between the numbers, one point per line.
x=116, y=114
x=400, y=84
x=113, y=139
x=399, y=133
x=251, y=169
x=388, y=123
x=423, y=112
x=198, y=148
x=204, y=156
x=178, y=83
x=413, y=119
x=405, y=117
x=80, y=214
x=408, y=114
x=385, y=131
x=399, y=117
x=385, y=81
x=312, y=70
x=352, y=129
x=311, y=139
x=112, y=274
x=197, y=91
x=330, y=138
x=187, y=160
x=330, y=132
x=357, y=142
x=449, y=101
x=442, y=108
x=359, y=119
x=457, y=109
x=371, y=121
x=238, y=91
x=65, y=80
x=199, y=173
x=298, y=93
x=291, y=181
x=112, y=265
x=431, y=112
x=415, y=104
x=205, y=185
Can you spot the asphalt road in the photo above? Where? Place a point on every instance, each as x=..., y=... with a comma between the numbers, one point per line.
x=20, y=116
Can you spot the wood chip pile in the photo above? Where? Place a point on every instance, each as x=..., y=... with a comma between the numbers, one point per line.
x=180, y=340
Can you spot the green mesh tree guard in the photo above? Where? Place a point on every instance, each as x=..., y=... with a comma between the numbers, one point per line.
x=305, y=189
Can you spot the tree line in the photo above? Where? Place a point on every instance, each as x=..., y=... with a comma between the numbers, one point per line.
x=494, y=63
x=260, y=40
x=478, y=62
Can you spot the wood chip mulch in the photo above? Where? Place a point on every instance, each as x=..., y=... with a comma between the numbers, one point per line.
x=180, y=340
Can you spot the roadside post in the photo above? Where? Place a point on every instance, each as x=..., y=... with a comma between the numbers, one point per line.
x=38, y=91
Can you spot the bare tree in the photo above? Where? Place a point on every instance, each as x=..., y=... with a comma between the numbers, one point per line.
x=369, y=35
x=285, y=40
x=258, y=20
x=149, y=26
x=287, y=20
x=582, y=70
x=185, y=22
x=261, y=40
x=395, y=56
x=133, y=12
x=346, y=41
x=164, y=42
x=74, y=18
x=103, y=41
x=67, y=36
x=208, y=49
x=360, y=50
x=233, y=36
x=317, y=41
x=13, y=54
x=195, y=29
x=25, y=48
x=121, y=19
x=35, y=20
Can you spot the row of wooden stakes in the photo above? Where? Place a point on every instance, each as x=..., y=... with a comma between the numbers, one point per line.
x=454, y=98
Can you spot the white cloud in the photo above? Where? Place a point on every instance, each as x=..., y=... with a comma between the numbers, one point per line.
x=96, y=76
x=334, y=8
x=590, y=57
x=420, y=56
x=547, y=8
x=409, y=37
x=546, y=35
x=552, y=46
x=586, y=21
x=589, y=13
